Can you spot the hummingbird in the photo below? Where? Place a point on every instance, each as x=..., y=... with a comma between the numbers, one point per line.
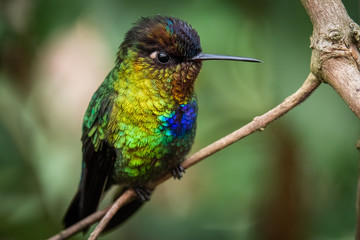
x=141, y=121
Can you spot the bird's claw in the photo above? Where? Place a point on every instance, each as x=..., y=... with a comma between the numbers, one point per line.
x=143, y=193
x=177, y=172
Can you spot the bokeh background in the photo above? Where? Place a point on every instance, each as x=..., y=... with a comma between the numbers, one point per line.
x=295, y=180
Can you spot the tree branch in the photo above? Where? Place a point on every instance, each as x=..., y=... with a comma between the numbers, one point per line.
x=68, y=232
x=335, y=56
x=124, y=198
x=335, y=43
x=258, y=124
x=357, y=235
x=342, y=74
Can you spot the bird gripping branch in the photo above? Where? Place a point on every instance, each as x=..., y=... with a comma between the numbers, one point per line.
x=141, y=121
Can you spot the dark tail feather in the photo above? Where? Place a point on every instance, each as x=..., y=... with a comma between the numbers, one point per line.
x=97, y=167
x=123, y=214
x=78, y=210
x=73, y=214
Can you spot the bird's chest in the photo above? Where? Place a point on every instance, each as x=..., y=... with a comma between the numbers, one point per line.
x=179, y=122
x=149, y=144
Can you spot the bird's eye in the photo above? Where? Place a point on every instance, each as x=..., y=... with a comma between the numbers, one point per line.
x=163, y=57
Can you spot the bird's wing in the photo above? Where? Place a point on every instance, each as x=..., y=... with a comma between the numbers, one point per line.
x=98, y=156
x=98, y=161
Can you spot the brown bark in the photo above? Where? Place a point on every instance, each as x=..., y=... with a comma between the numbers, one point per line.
x=335, y=44
x=335, y=56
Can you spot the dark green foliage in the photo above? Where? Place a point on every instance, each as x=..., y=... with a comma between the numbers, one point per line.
x=227, y=195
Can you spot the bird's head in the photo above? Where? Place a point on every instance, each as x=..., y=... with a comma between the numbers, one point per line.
x=164, y=40
x=166, y=49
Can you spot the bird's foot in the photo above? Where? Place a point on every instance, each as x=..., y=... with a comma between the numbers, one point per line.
x=143, y=193
x=177, y=172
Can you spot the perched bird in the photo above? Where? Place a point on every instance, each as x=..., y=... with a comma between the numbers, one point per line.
x=141, y=121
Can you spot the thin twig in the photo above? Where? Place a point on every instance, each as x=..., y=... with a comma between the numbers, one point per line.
x=77, y=227
x=124, y=198
x=258, y=123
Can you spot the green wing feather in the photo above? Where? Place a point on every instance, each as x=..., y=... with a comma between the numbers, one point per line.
x=98, y=156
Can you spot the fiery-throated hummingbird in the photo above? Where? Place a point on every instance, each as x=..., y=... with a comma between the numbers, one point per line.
x=141, y=121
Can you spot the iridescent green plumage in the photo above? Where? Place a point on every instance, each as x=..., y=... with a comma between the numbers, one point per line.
x=141, y=100
x=141, y=121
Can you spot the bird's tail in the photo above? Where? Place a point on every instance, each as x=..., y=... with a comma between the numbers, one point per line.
x=73, y=214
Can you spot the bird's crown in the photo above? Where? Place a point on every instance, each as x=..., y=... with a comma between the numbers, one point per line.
x=170, y=38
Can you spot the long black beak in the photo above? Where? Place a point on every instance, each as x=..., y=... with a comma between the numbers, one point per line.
x=204, y=56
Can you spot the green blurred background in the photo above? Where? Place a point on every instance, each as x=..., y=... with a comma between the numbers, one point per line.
x=295, y=180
